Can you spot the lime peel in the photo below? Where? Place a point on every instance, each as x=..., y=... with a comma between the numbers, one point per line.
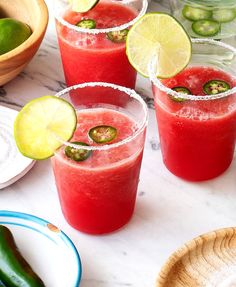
x=82, y=6
x=161, y=35
x=42, y=125
x=13, y=34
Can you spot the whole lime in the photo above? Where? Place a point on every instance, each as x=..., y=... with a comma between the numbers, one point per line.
x=12, y=34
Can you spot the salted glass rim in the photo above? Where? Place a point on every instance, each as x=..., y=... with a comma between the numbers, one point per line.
x=157, y=82
x=104, y=30
x=131, y=93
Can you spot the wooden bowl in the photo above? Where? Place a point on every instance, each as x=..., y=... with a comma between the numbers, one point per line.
x=207, y=261
x=35, y=14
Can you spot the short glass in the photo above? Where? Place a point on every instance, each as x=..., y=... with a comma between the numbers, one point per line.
x=214, y=19
x=98, y=54
x=197, y=132
x=98, y=194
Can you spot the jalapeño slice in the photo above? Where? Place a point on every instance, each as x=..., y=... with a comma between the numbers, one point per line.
x=206, y=27
x=215, y=87
x=118, y=36
x=195, y=13
x=87, y=24
x=182, y=90
x=77, y=154
x=103, y=134
x=224, y=15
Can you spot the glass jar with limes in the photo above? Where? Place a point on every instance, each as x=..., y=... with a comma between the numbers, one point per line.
x=214, y=19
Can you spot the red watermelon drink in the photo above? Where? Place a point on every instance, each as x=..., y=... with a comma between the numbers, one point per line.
x=197, y=133
x=92, y=44
x=97, y=177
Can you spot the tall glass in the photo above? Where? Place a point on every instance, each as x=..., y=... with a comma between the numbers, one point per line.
x=197, y=130
x=214, y=19
x=98, y=193
x=97, y=54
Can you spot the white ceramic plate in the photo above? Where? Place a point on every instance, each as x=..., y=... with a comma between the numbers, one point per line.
x=13, y=165
x=49, y=251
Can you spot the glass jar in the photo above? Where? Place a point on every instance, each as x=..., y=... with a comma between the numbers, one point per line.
x=214, y=19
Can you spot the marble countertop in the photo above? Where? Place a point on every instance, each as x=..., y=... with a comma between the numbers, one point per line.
x=169, y=211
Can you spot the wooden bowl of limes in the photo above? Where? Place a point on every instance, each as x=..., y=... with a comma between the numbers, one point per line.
x=20, y=17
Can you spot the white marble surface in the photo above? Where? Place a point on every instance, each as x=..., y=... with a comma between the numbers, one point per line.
x=168, y=212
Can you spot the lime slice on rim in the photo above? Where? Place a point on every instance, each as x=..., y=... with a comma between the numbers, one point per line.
x=41, y=123
x=82, y=6
x=158, y=35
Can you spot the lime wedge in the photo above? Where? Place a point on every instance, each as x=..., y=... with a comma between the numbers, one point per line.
x=39, y=125
x=83, y=6
x=158, y=35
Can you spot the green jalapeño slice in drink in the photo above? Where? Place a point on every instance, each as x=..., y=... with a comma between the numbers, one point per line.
x=182, y=90
x=77, y=154
x=214, y=87
x=87, y=24
x=118, y=36
x=103, y=134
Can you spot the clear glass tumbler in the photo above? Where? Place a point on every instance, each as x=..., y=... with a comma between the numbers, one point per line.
x=97, y=54
x=214, y=19
x=97, y=172
x=196, y=113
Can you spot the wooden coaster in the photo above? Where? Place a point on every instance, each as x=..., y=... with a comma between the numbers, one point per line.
x=13, y=165
x=207, y=261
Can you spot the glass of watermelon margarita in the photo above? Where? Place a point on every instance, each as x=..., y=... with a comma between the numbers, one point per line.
x=97, y=52
x=196, y=113
x=97, y=172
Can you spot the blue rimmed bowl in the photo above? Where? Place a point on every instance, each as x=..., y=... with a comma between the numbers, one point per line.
x=48, y=250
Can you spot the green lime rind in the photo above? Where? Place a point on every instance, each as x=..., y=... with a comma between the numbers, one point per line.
x=161, y=35
x=41, y=123
x=12, y=34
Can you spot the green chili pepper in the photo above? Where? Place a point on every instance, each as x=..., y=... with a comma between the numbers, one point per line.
x=87, y=24
x=118, y=36
x=215, y=87
x=103, y=134
x=78, y=154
